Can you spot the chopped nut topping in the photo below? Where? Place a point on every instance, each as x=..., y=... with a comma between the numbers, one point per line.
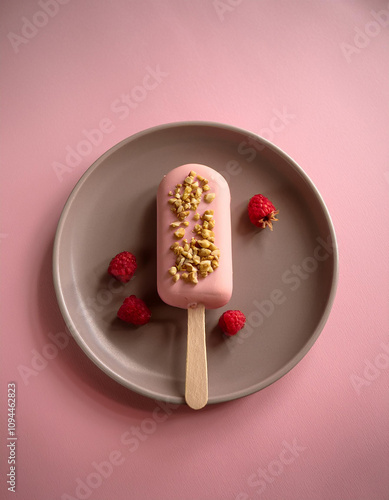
x=204, y=252
x=199, y=257
x=193, y=277
x=206, y=233
x=182, y=215
x=204, y=265
x=189, y=267
x=209, y=197
x=177, y=250
x=180, y=233
x=204, y=243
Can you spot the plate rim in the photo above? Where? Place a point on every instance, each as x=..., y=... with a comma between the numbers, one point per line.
x=177, y=399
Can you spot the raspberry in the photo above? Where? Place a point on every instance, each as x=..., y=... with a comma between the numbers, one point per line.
x=261, y=211
x=231, y=322
x=135, y=311
x=123, y=266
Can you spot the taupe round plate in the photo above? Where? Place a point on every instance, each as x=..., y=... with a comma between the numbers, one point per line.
x=284, y=281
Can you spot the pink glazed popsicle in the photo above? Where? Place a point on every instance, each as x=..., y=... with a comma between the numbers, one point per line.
x=194, y=258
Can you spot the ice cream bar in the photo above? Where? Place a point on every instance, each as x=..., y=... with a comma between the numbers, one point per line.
x=194, y=258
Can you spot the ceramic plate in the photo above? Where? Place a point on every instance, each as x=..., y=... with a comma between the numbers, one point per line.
x=284, y=281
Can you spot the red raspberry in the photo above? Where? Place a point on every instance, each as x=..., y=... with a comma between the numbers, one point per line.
x=123, y=266
x=261, y=211
x=135, y=311
x=231, y=322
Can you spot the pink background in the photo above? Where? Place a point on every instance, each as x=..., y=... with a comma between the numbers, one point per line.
x=241, y=63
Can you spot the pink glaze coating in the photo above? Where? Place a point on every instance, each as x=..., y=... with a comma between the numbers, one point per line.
x=215, y=289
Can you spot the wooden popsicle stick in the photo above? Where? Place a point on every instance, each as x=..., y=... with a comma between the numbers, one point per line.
x=196, y=383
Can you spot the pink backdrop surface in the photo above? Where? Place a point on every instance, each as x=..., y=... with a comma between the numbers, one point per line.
x=320, y=432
